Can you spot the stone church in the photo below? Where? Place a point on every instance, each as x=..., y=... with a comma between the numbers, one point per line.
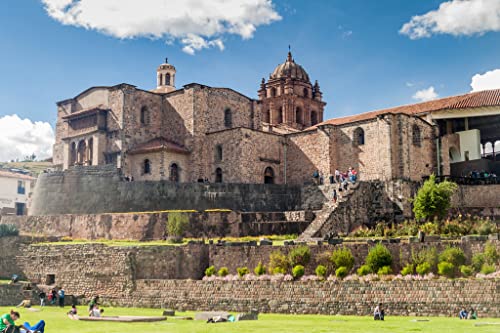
x=198, y=133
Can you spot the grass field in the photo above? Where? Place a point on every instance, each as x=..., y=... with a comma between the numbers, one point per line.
x=57, y=322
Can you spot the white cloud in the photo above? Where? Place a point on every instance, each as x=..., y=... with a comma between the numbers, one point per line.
x=486, y=81
x=197, y=24
x=425, y=95
x=22, y=137
x=456, y=17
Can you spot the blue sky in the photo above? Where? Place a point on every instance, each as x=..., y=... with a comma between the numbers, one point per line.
x=353, y=48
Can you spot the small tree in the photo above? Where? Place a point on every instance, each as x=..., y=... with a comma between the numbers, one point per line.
x=433, y=199
x=378, y=257
x=177, y=225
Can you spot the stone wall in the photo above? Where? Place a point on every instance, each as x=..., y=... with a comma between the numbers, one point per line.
x=11, y=295
x=403, y=298
x=9, y=250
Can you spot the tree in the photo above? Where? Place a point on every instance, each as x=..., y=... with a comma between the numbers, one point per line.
x=433, y=199
x=177, y=224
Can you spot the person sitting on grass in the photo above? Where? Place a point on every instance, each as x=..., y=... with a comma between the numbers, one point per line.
x=24, y=304
x=378, y=313
x=8, y=325
x=73, y=312
x=472, y=314
x=96, y=312
x=463, y=314
x=37, y=328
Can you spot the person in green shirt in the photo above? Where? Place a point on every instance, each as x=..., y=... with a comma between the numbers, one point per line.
x=7, y=322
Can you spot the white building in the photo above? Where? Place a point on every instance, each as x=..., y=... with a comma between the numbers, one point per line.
x=14, y=192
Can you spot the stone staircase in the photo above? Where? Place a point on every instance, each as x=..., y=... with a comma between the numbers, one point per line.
x=323, y=215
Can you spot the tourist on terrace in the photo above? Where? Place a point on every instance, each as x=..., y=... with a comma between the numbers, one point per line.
x=8, y=325
x=378, y=313
x=337, y=175
x=463, y=314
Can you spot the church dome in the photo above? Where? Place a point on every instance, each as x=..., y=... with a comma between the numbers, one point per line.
x=290, y=68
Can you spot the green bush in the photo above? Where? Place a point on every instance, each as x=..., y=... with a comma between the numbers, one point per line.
x=486, y=227
x=446, y=269
x=8, y=230
x=433, y=199
x=298, y=271
x=478, y=261
x=488, y=269
x=364, y=270
x=278, y=263
x=466, y=270
x=454, y=256
x=378, y=257
x=341, y=272
x=428, y=255
x=386, y=270
x=320, y=271
x=177, y=225
x=210, y=271
x=407, y=270
x=490, y=254
x=223, y=271
x=343, y=258
x=299, y=256
x=423, y=268
x=260, y=269
x=242, y=271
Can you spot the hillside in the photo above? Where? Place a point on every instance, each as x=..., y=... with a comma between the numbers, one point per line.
x=34, y=168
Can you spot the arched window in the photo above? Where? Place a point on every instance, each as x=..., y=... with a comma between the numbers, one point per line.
x=218, y=153
x=228, y=118
x=267, y=116
x=306, y=92
x=298, y=115
x=174, y=173
x=144, y=115
x=72, y=158
x=416, y=136
x=82, y=151
x=160, y=80
x=218, y=175
x=167, y=79
x=314, y=117
x=146, y=168
x=90, y=151
x=359, y=137
x=279, y=116
x=273, y=92
x=269, y=176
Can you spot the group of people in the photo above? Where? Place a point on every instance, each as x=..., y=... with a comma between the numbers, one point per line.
x=464, y=314
x=8, y=324
x=56, y=296
x=479, y=177
x=351, y=175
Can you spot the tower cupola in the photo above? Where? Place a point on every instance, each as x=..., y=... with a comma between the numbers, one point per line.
x=165, y=78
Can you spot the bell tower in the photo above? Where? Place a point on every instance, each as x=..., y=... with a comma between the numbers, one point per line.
x=165, y=78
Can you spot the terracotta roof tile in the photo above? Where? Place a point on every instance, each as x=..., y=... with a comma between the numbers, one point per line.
x=158, y=144
x=17, y=175
x=471, y=100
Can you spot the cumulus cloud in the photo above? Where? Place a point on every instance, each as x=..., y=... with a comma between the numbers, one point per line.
x=486, y=81
x=22, y=137
x=456, y=17
x=196, y=24
x=425, y=95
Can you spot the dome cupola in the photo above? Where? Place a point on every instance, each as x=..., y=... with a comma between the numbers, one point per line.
x=290, y=69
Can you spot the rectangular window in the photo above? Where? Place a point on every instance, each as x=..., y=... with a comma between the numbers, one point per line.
x=218, y=153
x=20, y=208
x=21, y=189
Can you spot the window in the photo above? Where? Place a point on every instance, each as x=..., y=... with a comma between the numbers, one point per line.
x=20, y=208
x=160, y=80
x=174, y=173
x=167, y=79
x=218, y=175
x=314, y=117
x=279, y=117
x=90, y=151
x=306, y=93
x=359, y=136
x=228, y=119
x=144, y=115
x=21, y=187
x=298, y=115
x=50, y=279
x=72, y=154
x=273, y=92
x=82, y=152
x=218, y=153
x=269, y=176
x=416, y=135
x=146, y=167
x=267, y=116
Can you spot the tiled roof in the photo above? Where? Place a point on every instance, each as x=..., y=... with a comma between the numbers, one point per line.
x=10, y=174
x=471, y=100
x=158, y=144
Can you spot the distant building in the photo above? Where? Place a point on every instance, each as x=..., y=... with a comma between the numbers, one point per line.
x=14, y=192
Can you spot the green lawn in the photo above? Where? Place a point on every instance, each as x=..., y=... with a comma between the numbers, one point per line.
x=57, y=322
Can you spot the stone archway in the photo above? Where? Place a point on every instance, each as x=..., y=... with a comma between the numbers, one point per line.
x=269, y=176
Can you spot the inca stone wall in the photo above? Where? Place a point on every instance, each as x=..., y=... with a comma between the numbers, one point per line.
x=11, y=295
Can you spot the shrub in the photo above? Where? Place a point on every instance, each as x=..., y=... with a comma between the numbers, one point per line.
x=386, y=270
x=478, y=261
x=210, y=271
x=429, y=256
x=298, y=271
x=407, y=270
x=364, y=270
x=278, y=263
x=423, y=268
x=446, y=269
x=8, y=230
x=490, y=254
x=378, y=257
x=260, y=269
x=487, y=269
x=341, y=272
x=299, y=256
x=343, y=258
x=486, y=227
x=223, y=271
x=242, y=271
x=466, y=270
x=321, y=271
x=433, y=199
x=453, y=255
x=177, y=225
